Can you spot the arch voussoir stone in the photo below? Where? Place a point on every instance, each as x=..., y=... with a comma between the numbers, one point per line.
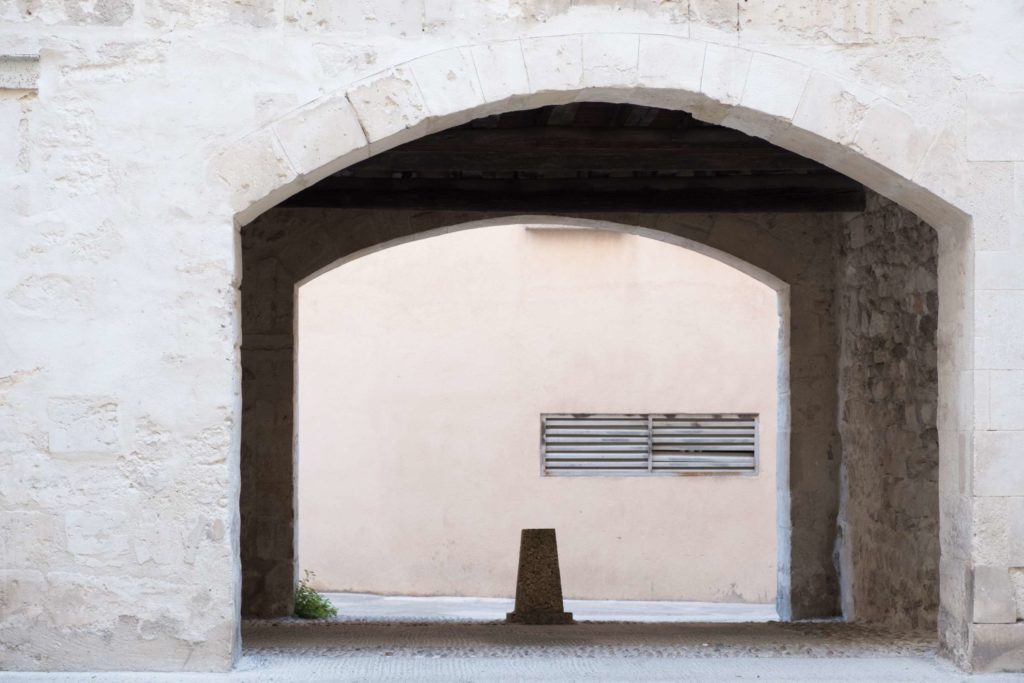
x=844, y=125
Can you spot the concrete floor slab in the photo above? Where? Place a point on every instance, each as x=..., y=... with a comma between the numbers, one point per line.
x=365, y=606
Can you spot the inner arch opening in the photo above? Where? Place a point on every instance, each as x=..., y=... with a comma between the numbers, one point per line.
x=424, y=369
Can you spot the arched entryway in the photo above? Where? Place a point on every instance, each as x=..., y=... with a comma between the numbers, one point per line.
x=401, y=122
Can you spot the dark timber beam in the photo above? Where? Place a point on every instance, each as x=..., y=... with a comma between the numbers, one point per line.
x=593, y=149
x=742, y=193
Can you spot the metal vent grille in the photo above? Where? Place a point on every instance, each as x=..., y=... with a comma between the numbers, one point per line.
x=645, y=444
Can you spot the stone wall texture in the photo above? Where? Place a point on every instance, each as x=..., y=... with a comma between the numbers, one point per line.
x=887, y=306
x=136, y=137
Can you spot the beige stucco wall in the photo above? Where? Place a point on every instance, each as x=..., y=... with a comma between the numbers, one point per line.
x=422, y=372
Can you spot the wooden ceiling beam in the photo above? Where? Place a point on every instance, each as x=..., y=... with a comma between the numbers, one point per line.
x=801, y=193
x=546, y=150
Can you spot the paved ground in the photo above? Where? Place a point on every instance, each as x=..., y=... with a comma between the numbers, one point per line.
x=293, y=651
x=364, y=606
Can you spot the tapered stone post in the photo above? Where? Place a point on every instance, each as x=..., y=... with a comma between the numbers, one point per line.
x=539, y=583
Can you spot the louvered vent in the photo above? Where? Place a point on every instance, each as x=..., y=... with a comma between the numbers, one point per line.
x=648, y=444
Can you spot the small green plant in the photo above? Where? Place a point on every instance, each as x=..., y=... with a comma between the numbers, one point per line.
x=309, y=604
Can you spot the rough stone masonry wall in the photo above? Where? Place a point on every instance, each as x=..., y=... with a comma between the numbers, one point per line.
x=887, y=303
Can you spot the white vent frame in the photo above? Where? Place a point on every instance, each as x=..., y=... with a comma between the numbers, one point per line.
x=627, y=444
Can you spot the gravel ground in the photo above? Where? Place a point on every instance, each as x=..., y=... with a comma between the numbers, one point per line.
x=286, y=651
x=351, y=638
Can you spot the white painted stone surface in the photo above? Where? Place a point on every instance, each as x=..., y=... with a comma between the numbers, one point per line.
x=150, y=133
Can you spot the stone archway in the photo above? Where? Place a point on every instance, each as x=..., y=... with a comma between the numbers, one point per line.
x=838, y=124
x=289, y=247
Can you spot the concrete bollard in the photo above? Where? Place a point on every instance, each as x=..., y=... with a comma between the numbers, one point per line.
x=539, y=583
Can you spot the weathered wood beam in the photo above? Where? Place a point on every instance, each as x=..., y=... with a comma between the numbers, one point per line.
x=795, y=193
x=569, y=149
x=560, y=137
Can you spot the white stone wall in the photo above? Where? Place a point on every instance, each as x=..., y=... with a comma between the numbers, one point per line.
x=153, y=124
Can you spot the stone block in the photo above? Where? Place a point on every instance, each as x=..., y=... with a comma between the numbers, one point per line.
x=990, y=531
x=13, y=156
x=1017, y=581
x=668, y=62
x=998, y=531
x=774, y=86
x=999, y=463
x=839, y=22
x=995, y=128
x=83, y=424
x=900, y=152
x=997, y=329
x=955, y=584
x=973, y=403
x=997, y=647
x=713, y=19
x=945, y=169
x=725, y=73
x=1018, y=188
x=610, y=60
x=999, y=269
x=1006, y=399
x=448, y=81
x=323, y=137
x=950, y=467
x=254, y=169
x=97, y=537
x=554, y=62
x=665, y=11
x=388, y=103
x=1015, y=536
x=539, y=581
x=501, y=69
x=29, y=539
x=19, y=72
x=989, y=200
x=386, y=17
x=98, y=13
